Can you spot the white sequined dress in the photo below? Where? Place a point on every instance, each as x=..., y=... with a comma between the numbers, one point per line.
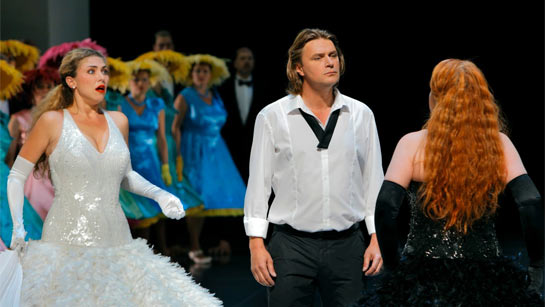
x=86, y=256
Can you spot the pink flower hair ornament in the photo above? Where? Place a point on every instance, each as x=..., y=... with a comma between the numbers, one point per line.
x=53, y=56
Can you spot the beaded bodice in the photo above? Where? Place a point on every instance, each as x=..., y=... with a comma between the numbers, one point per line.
x=86, y=209
x=428, y=238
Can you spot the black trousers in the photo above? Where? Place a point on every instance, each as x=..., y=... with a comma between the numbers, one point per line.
x=329, y=262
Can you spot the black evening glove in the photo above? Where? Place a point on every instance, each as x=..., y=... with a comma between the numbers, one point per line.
x=390, y=199
x=530, y=207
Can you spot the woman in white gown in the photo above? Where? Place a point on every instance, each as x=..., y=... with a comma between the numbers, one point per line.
x=86, y=256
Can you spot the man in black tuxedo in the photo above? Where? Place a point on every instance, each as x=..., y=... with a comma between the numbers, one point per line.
x=243, y=97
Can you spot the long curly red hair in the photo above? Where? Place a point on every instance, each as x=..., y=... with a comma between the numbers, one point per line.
x=464, y=162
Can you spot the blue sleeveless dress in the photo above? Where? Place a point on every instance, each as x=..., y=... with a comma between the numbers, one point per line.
x=183, y=189
x=32, y=221
x=207, y=161
x=144, y=157
x=137, y=207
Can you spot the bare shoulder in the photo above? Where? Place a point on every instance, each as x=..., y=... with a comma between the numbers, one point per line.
x=119, y=118
x=401, y=168
x=43, y=136
x=50, y=119
x=506, y=141
x=413, y=139
x=513, y=163
x=509, y=149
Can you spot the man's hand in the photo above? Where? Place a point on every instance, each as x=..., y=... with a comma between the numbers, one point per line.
x=261, y=262
x=372, y=255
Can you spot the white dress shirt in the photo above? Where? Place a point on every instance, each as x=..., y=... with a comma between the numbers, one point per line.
x=315, y=189
x=243, y=95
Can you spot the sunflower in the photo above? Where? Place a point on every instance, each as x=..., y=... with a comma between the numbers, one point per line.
x=219, y=72
x=26, y=56
x=120, y=74
x=158, y=73
x=175, y=62
x=10, y=80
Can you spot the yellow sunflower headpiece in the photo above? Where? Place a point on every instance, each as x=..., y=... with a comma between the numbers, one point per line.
x=219, y=73
x=175, y=62
x=26, y=56
x=158, y=73
x=120, y=74
x=10, y=80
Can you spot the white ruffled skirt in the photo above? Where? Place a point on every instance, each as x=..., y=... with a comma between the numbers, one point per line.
x=128, y=275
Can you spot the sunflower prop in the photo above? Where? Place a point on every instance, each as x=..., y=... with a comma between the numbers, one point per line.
x=53, y=56
x=10, y=80
x=26, y=56
x=158, y=73
x=120, y=74
x=219, y=73
x=175, y=62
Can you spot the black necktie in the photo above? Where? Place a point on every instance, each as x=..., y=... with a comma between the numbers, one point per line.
x=324, y=137
x=242, y=82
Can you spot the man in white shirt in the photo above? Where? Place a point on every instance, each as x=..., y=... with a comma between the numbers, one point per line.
x=319, y=151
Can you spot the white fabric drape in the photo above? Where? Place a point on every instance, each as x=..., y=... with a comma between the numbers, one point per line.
x=11, y=278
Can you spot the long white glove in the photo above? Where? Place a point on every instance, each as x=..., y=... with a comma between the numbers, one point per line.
x=16, y=198
x=170, y=205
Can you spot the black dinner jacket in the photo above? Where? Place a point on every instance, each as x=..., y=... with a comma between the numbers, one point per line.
x=237, y=135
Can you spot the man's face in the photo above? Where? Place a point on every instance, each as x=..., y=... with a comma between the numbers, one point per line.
x=244, y=62
x=163, y=43
x=320, y=63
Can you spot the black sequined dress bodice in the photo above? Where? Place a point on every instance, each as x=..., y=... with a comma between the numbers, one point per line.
x=428, y=238
x=449, y=268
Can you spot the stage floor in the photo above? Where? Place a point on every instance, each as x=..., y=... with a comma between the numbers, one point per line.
x=231, y=280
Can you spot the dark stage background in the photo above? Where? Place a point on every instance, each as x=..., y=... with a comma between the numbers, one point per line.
x=389, y=51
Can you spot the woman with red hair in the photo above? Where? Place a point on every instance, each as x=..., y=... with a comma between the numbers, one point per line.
x=453, y=171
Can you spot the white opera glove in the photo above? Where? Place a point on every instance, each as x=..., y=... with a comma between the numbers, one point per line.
x=170, y=205
x=16, y=198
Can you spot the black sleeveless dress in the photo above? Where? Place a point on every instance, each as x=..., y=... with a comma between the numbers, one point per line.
x=449, y=268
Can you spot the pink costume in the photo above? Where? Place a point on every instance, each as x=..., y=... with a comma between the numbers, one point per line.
x=38, y=191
